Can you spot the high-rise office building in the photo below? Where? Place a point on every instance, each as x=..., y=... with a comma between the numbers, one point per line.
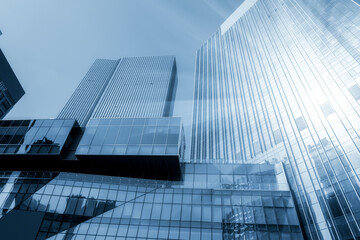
x=125, y=88
x=279, y=81
x=10, y=88
x=142, y=195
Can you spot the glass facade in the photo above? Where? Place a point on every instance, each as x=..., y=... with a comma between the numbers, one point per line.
x=124, y=88
x=281, y=83
x=84, y=99
x=140, y=87
x=10, y=88
x=133, y=136
x=34, y=137
x=212, y=201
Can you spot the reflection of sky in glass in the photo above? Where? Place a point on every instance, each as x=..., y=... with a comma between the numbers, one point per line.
x=287, y=89
x=34, y=136
x=132, y=136
x=214, y=200
x=73, y=36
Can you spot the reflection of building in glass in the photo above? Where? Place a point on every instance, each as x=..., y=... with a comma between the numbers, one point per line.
x=133, y=136
x=129, y=87
x=212, y=201
x=35, y=137
x=148, y=193
x=10, y=88
x=124, y=109
x=279, y=81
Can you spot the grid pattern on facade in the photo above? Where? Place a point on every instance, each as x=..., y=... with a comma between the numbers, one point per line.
x=10, y=89
x=279, y=86
x=131, y=136
x=84, y=99
x=34, y=136
x=231, y=205
x=5, y=101
x=138, y=88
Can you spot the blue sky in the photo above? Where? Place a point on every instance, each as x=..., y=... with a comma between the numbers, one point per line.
x=51, y=44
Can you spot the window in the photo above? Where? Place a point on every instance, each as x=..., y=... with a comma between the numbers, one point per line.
x=355, y=91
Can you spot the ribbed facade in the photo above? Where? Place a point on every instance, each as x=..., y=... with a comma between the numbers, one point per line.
x=83, y=101
x=128, y=87
x=138, y=88
x=283, y=84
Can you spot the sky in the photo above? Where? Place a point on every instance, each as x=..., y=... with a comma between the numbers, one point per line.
x=51, y=44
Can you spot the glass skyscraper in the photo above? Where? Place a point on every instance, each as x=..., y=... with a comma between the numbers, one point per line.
x=121, y=174
x=10, y=89
x=279, y=81
x=128, y=87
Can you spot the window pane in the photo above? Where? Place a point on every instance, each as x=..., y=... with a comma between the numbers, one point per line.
x=148, y=135
x=160, y=135
x=99, y=135
x=135, y=136
x=123, y=135
x=173, y=136
x=111, y=135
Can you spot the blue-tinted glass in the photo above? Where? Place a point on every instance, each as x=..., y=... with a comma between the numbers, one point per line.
x=82, y=149
x=148, y=135
x=176, y=212
x=151, y=121
x=300, y=123
x=132, y=150
x=68, y=123
x=111, y=135
x=104, y=122
x=107, y=149
x=139, y=121
x=136, y=134
x=123, y=135
x=175, y=121
x=172, y=149
x=88, y=135
x=52, y=133
x=173, y=135
x=355, y=91
x=120, y=149
x=19, y=135
x=160, y=150
x=47, y=123
x=116, y=121
x=99, y=135
x=160, y=135
x=163, y=122
x=2, y=149
x=94, y=122
x=9, y=132
x=127, y=121
x=44, y=149
x=11, y=148
x=37, y=123
x=62, y=135
x=16, y=123
x=145, y=150
x=94, y=150
x=55, y=149
x=213, y=169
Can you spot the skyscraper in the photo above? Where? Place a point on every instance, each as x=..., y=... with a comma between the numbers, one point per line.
x=279, y=81
x=193, y=201
x=10, y=89
x=125, y=88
